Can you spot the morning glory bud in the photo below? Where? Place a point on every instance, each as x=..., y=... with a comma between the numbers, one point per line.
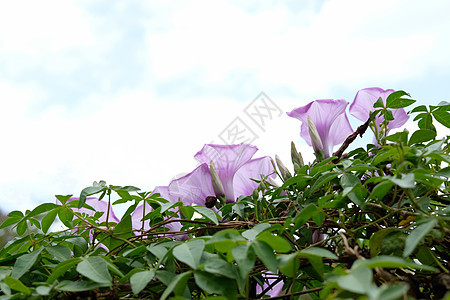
x=296, y=156
x=215, y=180
x=316, y=142
x=296, y=168
x=285, y=174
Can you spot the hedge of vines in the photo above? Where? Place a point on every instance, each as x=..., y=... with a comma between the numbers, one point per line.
x=359, y=223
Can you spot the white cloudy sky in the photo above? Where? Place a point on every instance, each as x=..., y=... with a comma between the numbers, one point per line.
x=129, y=91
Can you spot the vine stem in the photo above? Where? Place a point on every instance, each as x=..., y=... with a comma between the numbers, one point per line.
x=359, y=131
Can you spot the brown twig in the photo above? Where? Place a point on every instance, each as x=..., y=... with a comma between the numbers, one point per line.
x=359, y=131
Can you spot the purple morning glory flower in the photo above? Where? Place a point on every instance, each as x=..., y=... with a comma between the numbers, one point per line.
x=329, y=118
x=235, y=167
x=363, y=105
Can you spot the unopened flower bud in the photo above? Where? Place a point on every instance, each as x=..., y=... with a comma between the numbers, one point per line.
x=296, y=156
x=255, y=194
x=285, y=174
x=262, y=186
x=302, y=162
x=272, y=182
x=296, y=168
x=215, y=180
x=316, y=142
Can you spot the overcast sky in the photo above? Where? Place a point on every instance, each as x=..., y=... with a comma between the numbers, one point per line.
x=129, y=91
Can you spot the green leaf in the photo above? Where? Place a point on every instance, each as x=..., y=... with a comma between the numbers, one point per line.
x=359, y=281
x=383, y=156
x=128, y=188
x=65, y=216
x=445, y=172
x=317, y=266
x=22, y=227
x=42, y=209
x=216, y=285
x=323, y=179
x=394, y=291
x=220, y=267
x=140, y=280
x=43, y=290
x=177, y=285
x=385, y=261
x=96, y=269
x=190, y=252
x=295, y=180
x=63, y=199
x=48, y=220
x=353, y=189
x=422, y=135
x=358, y=196
x=400, y=103
x=417, y=235
x=168, y=205
x=426, y=123
x=158, y=250
x=419, y=108
x=225, y=240
x=207, y=213
x=251, y=234
x=78, y=286
x=9, y=222
x=245, y=257
x=377, y=238
x=381, y=189
x=24, y=263
x=379, y=103
x=288, y=264
x=60, y=252
x=79, y=242
x=266, y=255
x=62, y=268
x=16, y=285
x=90, y=190
x=349, y=180
x=401, y=136
x=122, y=230
x=405, y=181
x=318, y=252
x=277, y=243
x=442, y=117
x=394, y=99
x=304, y=215
x=388, y=115
x=187, y=212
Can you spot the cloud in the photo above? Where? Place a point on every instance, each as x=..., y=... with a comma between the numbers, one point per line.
x=129, y=92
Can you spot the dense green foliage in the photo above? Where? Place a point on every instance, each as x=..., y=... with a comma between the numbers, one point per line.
x=369, y=224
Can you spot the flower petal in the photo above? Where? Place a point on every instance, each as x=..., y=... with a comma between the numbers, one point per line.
x=192, y=188
x=243, y=185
